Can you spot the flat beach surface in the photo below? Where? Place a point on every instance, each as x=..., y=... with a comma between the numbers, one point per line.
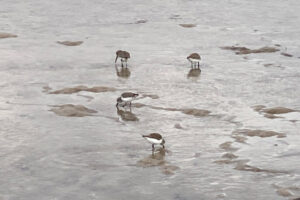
x=231, y=131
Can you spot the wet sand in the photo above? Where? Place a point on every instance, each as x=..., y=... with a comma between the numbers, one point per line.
x=231, y=129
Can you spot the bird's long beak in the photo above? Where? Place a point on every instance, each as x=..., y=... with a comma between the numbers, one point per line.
x=116, y=58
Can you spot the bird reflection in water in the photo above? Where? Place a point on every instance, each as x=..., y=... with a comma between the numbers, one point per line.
x=194, y=73
x=123, y=72
x=127, y=115
x=157, y=159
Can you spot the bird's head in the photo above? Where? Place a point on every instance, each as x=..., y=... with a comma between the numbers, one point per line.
x=117, y=55
x=119, y=100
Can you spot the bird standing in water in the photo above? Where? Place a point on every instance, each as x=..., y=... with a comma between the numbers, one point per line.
x=125, y=98
x=194, y=58
x=155, y=138
x=124, y=55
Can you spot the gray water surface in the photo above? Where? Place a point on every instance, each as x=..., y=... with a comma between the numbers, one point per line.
x=221, y=141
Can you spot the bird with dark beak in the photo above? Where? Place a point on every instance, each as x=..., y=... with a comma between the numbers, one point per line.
x=126, y=98
x=195, y=59
x=155, y=139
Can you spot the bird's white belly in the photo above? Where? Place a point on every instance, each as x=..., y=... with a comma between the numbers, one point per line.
x=127, y=99
x=154, y=141
x=194, y=60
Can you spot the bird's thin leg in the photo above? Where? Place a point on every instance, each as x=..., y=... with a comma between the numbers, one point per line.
x=152, y=147
x=163, y=146
x=198, y=64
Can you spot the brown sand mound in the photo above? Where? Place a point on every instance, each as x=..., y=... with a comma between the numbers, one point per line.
x=240, y=139
x=258, y=107
x=195, y=112
x=70, y=43
x=227, y=146
x=141, y=21
x=229, y=156
x=99, y=89
x=7, y=35
x=168, y=169
x=244, y=50
x=271, y=112
x=80, y=88
x=278, y=110
x=178, y=126
x=287, y=54
x=188, y=25
x=259, y=133
x=69, y=110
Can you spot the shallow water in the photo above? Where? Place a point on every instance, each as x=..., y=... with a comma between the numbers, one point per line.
x=224, y=140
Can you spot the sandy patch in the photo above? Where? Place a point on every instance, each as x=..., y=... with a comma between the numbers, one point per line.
x=229, y=156
x=80, y=88
x=287, y=54
x=70, y=43
x=178, y=126
x=141, y=21
x=195, y=112
x=69, y=110
x=187, y=25
x=258, y=133
x=227, y=146
x=244, y=50
x=272, y=112
x=7, y=35
x=278, y=110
